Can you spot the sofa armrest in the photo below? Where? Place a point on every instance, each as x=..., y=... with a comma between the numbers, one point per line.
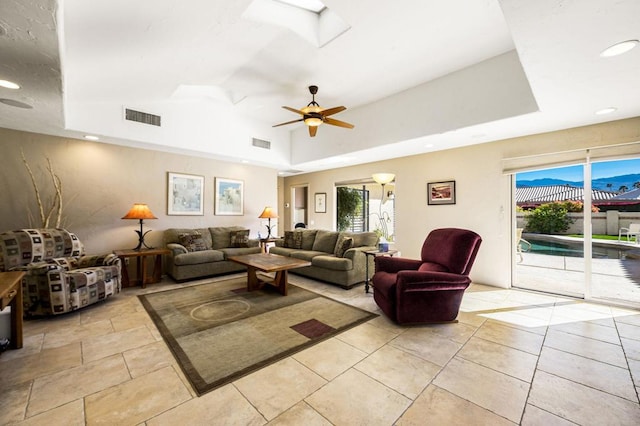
x=177, y=249
x=396, y=264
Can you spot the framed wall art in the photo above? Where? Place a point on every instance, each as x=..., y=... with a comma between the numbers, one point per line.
x=229, y=197
x=320, y=202
x=439, y=193
x=185, y=194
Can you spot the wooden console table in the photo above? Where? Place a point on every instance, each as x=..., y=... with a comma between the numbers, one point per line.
x=11, y=295
x=142, y=276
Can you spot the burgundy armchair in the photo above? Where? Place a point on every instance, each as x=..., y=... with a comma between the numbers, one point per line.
x=428, y=290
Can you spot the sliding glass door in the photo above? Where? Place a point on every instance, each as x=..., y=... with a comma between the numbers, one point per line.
x=549, y=250
x=615, y=265
x=574, y=231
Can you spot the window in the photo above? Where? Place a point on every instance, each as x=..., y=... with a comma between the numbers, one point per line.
x=363, y=207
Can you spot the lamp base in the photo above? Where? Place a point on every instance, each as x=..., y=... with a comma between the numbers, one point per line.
x=269, y=228
x=141, y=242
x=141, y=236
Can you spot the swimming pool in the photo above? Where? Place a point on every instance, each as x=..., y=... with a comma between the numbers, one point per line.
x=554, y=247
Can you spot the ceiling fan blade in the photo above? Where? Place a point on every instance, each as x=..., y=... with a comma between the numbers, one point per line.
x=338, y=123
x=288, y=122
x=330, y=111
x=313, y=130
x=297, y=111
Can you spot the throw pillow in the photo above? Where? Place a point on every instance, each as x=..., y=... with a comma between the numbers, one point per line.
x=343, y=246
x=192, y=242
x=240, y=238
x=293, y=239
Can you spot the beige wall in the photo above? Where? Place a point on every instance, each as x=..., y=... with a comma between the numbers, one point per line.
x=483, y=191
x=101, y=182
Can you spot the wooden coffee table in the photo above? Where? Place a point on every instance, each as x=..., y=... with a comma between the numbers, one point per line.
x=267, y=262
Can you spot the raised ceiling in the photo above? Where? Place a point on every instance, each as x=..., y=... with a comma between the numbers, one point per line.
x=416, y=76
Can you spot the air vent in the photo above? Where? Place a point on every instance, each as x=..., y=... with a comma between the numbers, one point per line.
x=142, y=117
x=261, y=143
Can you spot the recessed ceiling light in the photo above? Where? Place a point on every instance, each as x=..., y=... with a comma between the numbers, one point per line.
x=9, y=84
x=429, y=145
x=245, y=161
x=619, y=48
x=15, y=103
x=604, y=111
x=91, y=138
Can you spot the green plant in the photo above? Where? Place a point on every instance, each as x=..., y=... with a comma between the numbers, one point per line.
x=349, y=200
x=550, y=218
x=576, y=206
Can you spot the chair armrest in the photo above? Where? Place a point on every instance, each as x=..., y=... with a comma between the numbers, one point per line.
x=98, y=260
x=177, y=249
x=396, y=264
x=408, y=281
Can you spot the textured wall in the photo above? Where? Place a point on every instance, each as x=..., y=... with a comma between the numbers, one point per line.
x=101, y=182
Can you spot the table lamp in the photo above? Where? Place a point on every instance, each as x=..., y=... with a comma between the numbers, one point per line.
x=141, y=212
x=268, y=213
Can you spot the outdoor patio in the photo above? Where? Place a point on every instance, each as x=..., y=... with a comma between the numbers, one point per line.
x=612, y=280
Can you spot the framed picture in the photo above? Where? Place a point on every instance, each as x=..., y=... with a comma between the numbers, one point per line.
x=185, y=194
x=321, y=202
x=229, y=197
x=441, y=192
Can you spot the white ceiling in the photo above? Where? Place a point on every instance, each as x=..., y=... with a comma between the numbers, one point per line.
x=415, y=75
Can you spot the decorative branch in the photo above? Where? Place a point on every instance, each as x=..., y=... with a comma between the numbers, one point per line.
x=56, y=204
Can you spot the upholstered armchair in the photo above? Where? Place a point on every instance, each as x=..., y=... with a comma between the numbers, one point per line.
x=411, y=291
x=59, y=278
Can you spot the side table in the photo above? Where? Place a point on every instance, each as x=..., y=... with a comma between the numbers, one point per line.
x=374, y=254
x=142, y=276
x=11, y=295
x=264, y=243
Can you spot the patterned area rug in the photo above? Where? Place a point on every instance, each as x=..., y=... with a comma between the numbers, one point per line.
x=219, y=332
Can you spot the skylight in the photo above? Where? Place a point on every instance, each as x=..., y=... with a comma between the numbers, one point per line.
x=315, y=6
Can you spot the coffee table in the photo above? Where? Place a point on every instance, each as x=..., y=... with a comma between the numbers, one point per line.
x=267, y=262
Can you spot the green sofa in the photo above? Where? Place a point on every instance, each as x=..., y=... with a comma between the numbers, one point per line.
x=323, y=249
x=203, y=252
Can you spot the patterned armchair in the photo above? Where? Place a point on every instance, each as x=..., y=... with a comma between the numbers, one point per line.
x=59, y=278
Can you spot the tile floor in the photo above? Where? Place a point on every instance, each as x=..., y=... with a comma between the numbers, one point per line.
x=514, y=357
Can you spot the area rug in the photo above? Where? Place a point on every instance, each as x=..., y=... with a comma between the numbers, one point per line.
x=219, y=332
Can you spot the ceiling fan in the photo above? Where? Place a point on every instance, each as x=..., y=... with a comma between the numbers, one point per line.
x=313, y=115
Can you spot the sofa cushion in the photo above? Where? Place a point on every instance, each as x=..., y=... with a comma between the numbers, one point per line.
x=306, y=254
x=308, y=238
x=171, y=235
x=198, y=257
x=282, y=251
x=362, y=239
x=325, y=241
x=240, y=238
x=332, y=262
x=192, y=242
x=221, y=236
x=343, y=244
x=293, y=239
x=239, y=251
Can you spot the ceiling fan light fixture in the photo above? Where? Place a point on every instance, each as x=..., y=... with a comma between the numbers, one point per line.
x=313, y=121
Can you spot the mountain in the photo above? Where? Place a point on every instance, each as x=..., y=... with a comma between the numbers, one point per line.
x=600, y=183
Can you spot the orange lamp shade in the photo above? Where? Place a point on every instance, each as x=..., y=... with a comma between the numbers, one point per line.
x=139, y=211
